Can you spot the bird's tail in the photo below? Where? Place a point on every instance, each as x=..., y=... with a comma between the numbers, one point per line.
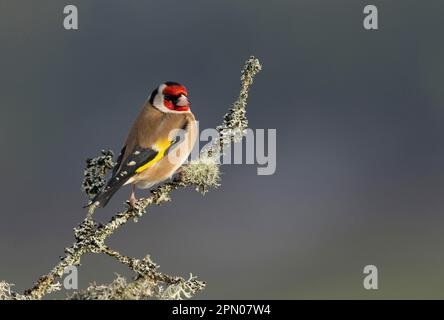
x=102, y=198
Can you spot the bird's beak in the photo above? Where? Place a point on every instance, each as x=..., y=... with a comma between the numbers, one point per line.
x=183, y=101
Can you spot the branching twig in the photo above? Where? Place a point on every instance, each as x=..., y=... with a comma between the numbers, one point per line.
x=202, y=173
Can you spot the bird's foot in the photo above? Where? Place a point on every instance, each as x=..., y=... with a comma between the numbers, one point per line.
x=132, y=203
x=179, y=173
x=132, y=200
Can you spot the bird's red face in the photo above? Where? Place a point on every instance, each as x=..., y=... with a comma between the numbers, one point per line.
x=170, y=97
x=175, y=97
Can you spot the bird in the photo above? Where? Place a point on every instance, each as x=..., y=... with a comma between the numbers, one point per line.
x=158, y=143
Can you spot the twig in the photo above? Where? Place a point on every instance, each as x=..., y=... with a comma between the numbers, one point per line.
x=90, y=236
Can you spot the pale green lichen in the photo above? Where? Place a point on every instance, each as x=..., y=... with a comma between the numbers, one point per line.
x=140, y=288
x=118, y=289
x=202, y=173
x=95, y=173
x=6, y=292
x=235, y=123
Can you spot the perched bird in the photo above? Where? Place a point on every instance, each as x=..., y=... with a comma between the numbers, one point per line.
x=159, y=142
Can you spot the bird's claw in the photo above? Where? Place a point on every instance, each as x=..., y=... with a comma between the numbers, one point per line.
x=178, y=175
x=132, y=200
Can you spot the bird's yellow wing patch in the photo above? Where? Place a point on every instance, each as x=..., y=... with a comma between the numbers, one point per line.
x=161, y=148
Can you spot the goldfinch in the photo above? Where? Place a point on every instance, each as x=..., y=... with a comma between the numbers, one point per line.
x=158, y=143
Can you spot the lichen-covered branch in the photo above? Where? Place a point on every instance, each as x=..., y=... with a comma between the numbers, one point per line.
x=90, y=236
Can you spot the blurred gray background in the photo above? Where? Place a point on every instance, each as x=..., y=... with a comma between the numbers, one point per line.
x=360, y=140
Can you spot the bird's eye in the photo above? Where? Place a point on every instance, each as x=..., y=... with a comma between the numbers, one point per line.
x=169, y=97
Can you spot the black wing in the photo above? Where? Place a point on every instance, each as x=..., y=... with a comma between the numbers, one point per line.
x=123, y=172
